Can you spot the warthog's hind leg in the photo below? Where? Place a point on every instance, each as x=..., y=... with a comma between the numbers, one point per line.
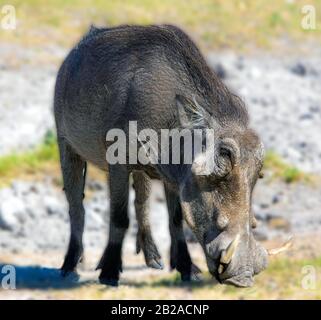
x=73, y=172
x=145, y=241
x=111, y=261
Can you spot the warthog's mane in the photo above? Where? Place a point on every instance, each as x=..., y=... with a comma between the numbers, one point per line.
x=218, y=100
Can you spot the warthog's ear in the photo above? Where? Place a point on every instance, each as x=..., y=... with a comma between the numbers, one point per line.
x=223, y=158
x=227, y=156
x=191, y=114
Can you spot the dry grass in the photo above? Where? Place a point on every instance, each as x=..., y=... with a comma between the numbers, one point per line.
x=213, y=23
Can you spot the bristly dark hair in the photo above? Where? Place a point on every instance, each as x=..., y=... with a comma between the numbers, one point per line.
x=218, y=100
x=221, y=101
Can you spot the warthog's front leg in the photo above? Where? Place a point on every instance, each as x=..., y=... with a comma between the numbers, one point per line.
x=111, y=262
x=180, y=258
x=142, y=186
x=73, y=178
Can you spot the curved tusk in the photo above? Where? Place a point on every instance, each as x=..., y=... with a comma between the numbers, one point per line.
x=287, y=245
x=227, y=254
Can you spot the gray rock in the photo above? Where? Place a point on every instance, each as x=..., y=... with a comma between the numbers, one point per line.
x=53, y=205
x=299, y=69
x=95, y=185
x=276, y=198
x=264, y=205
x=21, y=188
x=261, y=234
x=306, y=116
x=240, y=63
x=12, y=212
x=314, y=109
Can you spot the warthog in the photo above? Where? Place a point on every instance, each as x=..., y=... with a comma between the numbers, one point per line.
x=155, y=75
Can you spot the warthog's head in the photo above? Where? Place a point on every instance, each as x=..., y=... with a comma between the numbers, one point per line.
x=216, y=203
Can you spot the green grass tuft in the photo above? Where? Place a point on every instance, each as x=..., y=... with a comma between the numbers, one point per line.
x=280, y=169
x=15, y=164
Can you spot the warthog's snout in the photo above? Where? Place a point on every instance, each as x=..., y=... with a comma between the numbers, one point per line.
x=240, y=260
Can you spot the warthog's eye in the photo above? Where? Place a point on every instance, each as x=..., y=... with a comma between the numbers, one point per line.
x=261, y=175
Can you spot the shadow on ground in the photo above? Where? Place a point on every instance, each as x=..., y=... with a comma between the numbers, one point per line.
x=43, y=278
x=36, y=277
x=170, y=283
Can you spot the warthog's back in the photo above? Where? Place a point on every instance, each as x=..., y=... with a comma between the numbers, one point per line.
x=128, y=73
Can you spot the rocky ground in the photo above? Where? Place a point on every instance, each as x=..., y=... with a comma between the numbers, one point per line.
x=284, y=100
x=35, y=215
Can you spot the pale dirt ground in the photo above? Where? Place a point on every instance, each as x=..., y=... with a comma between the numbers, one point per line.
x=282, y=280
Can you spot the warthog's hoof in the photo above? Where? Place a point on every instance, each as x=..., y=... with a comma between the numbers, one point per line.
x=155, y=264
x=73, y=257
x=69, y=275
x=195, y=275
x=152, y=257
x=109, y=282
x=64, y=273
